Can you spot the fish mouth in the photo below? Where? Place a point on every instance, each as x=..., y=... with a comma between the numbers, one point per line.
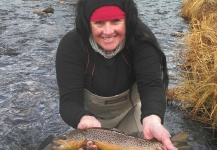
x=60, y=142
x=66, y=144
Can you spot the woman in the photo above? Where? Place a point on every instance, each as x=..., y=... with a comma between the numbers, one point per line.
x=111, y=72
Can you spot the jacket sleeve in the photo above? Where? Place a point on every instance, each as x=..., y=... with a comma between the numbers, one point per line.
x=149, y=80
x=70, y=68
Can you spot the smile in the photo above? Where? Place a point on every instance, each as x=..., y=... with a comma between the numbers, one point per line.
x=108, y=38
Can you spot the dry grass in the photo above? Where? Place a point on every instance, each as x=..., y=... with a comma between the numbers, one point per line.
x=198, y=8
x=198, y=69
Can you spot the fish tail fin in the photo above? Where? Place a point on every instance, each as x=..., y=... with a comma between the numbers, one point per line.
x=180, y=141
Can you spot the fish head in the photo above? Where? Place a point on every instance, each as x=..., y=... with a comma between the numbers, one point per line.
x=71, y=141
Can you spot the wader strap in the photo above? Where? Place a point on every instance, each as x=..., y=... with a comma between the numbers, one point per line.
x=127, y=58
x=90, y=66
x=130, y=95
x=133, y=107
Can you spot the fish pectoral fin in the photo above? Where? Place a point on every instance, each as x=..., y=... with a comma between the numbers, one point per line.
x=180, y=141
x=180, y=137
x=185, y=147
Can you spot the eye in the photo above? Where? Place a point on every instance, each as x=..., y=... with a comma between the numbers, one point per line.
x=116, y=21
x=99, y=22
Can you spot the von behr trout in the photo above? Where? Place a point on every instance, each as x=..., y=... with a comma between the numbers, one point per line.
x=105, y=139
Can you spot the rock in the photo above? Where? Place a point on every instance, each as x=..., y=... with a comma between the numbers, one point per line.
x=177, y=34
x=61, y=2
x=48, y=10
x=41, y=13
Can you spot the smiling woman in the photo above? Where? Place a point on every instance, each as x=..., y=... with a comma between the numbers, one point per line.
x=111, y=71
x=108, y=35
x=108, y=28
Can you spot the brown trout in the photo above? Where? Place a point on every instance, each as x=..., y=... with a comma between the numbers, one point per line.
x=105, y=139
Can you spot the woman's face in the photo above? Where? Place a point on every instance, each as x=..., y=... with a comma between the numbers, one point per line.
x=108, y=34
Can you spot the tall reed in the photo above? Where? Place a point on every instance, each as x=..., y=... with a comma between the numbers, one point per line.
x=198, y=64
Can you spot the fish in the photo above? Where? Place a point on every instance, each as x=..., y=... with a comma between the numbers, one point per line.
x=107, y=139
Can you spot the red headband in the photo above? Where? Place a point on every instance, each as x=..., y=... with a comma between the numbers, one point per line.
x=107, y=13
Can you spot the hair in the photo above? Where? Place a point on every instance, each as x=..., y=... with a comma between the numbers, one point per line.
x=85, y=8
x=134, y=25
x=147, y=36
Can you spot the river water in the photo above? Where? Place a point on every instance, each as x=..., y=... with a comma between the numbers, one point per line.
x=28, y=88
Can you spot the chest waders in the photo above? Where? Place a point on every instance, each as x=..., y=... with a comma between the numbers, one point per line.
x=120, y=111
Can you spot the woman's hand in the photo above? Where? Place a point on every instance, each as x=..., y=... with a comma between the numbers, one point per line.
x=88, y=122
x=89, y=146
x=152, y=128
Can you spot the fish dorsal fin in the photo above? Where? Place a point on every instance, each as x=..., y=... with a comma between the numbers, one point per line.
x=99, y=128
x=110, y=129
x=72, y=132
x=117, y=130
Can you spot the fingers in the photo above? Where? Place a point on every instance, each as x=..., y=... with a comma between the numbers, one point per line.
x=83, y=125
x=150, y=122
x=168, y=144
x=165, y=139
x=152, y=128
x=88, y=122
x=89, y=146
x=147, y=135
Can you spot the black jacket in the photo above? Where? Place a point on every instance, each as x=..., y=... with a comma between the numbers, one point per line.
x=111, y=76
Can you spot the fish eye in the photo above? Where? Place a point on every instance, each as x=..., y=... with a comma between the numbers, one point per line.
x=63, y=137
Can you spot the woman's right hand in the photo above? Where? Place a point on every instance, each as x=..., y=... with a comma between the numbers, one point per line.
x=88, y=122
x=89, y=146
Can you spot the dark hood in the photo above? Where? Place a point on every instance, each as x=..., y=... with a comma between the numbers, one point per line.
x=91, y=5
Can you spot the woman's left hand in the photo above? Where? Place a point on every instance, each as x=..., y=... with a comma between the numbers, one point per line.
x=152, y=128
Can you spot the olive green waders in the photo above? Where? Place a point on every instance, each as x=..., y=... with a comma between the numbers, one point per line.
x=120, y=111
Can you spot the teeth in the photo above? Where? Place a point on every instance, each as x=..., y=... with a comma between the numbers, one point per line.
x=108, y=38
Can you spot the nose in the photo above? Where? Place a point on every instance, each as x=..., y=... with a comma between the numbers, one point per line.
x=108, y=29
